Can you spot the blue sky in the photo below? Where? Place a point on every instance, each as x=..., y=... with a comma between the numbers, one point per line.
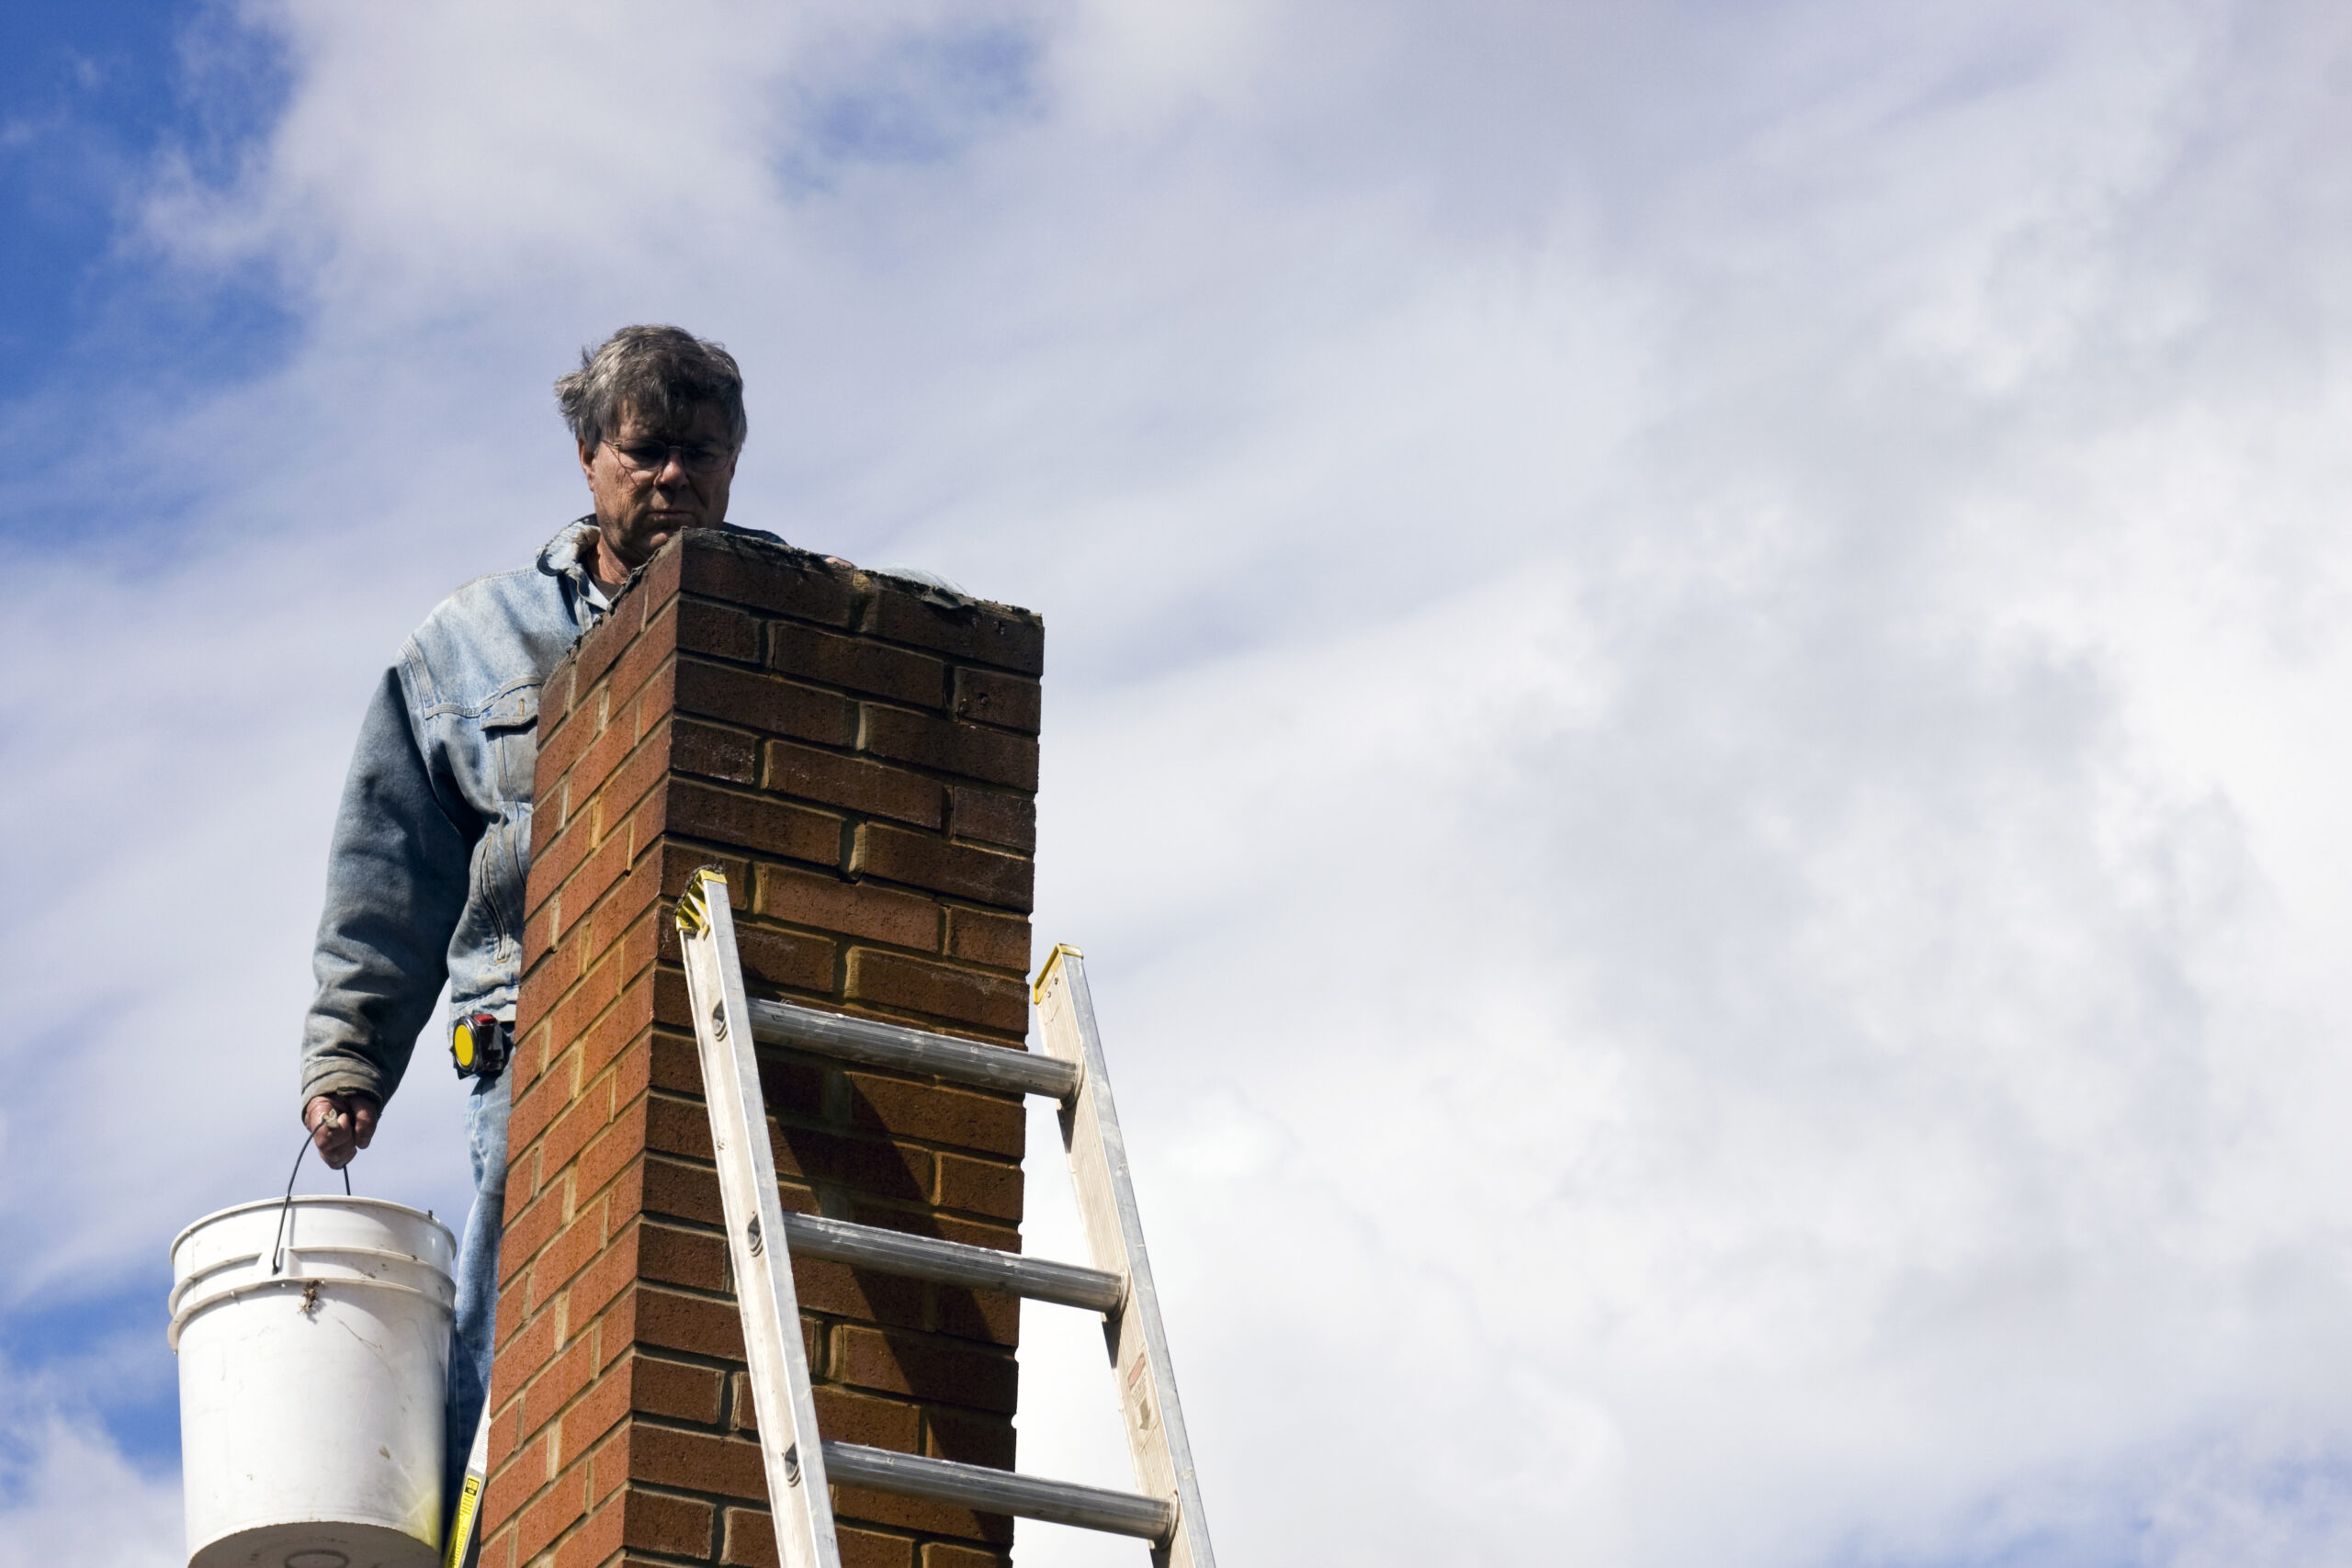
x=1695, y=712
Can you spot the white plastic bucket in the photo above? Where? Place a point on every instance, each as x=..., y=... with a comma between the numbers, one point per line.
x=311, y=1399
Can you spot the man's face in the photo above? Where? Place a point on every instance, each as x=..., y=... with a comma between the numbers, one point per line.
x=650, y=484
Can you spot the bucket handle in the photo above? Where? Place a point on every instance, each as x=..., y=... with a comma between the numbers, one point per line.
x=277, y=1246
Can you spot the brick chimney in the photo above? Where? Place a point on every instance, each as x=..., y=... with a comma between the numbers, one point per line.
x=859, y=755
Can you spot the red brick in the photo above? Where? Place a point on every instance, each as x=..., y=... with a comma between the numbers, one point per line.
x=669, y=1256
x=751, y=822
x=598, y=1410
x=883, y=1168
x=649, y=1317
x=751, y=1544
x=591, y=1112
x=594, y=654
x=676, y=1390
x=902, y=920
x=993, y=816
x=713, y=752
x=792, y=1088
x=854, y=784
x=765, y=576
x=681, y=1191
x=643, y=667
x=567, y=1254
x=520, y=1354
x=808, y=654
x=928, y=1518
x=996, y=1125
x=979, y=1187
x=683, y=1527
x=648, y=764
x=985, y=696
x=621, y=1142
x=896, y=855
x=554, y=859
x=593, y=1542
x=867, y=1548
x=944, y=1555
x=912, y=985
x=749, y=1539
x=968, y=1438
x=774, y=958
x=762, y=701
x=847, y=1417
x=562, y=737
x=997, y=941
x=696, y=1462
x=652, y=586
x=926, y=1369
x=529, y=1231
x=606, y=1277
x=839, y=1291
x=553, y=1388
x=986, y=1316
x=970, y=749
x=991, y=634
x=548, y=1515
x=721, y=630
x=678, y=1127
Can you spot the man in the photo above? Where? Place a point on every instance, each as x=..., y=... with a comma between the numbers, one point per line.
x=433, y=842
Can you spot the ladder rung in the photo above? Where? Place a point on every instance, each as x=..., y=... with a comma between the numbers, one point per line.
x=909, y=1050
x=953, y=1262
x=1000, y=1490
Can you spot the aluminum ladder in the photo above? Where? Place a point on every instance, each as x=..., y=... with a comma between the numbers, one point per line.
x=762, y=1240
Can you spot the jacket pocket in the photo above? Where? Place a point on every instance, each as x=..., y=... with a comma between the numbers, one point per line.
x=509, y=729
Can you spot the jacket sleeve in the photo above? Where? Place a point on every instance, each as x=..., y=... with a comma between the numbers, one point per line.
x=396, y=884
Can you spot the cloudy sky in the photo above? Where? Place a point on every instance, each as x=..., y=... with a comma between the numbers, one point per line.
x=1696, y=707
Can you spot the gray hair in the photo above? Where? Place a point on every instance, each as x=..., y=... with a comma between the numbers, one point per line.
x=665, y=373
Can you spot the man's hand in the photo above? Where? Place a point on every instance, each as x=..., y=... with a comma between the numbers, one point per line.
x=341, y=1125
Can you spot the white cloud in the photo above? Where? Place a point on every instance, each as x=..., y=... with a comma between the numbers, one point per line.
x=1693, y=718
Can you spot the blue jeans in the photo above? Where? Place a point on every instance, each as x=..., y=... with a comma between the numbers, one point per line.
x=487, y=1108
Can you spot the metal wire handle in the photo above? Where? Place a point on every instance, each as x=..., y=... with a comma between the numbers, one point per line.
x=277, y=1246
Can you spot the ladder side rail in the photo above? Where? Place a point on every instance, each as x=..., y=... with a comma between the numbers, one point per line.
x=993, y=1491
x=1150, y=1413
x=790, y=1451
x=902, y=1049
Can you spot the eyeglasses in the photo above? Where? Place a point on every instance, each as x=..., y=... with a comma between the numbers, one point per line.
x=645, y=458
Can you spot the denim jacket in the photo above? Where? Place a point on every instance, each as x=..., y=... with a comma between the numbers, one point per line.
x=433, y=842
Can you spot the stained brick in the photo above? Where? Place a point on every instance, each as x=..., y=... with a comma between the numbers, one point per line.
x=698, y=1461
x=862, y=665
x=714, y=752
x=721, y=630
x=763, y=702
x=932, y=1368
x=902, y=920
x=853, y=783
x=1010, y=639
x=993, y=816
x=960, y=870
x=785, y=958
x=971, y=749
x=936, y=1114
x=766, y=577
x=964, y=995
x=751, y=822
x=979, y=1187
x=984, y=696
x=997, y=941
